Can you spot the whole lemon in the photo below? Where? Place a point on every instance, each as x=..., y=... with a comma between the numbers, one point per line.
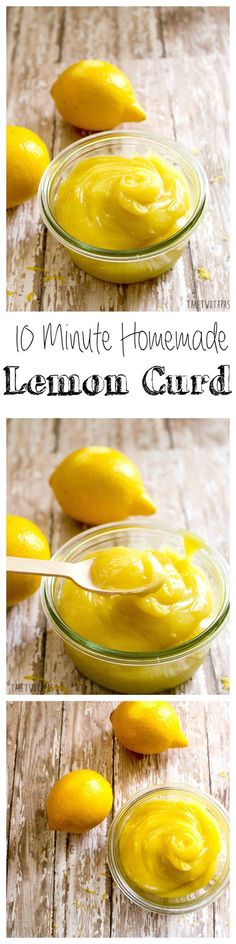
x=98, y=484
x=24, y=539
x=147, y=727
x=79, y=801
x=27, y=159
x=96, y=96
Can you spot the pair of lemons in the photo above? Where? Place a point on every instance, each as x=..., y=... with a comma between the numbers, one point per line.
x=83, y=798
x=90, y=94
x=93, y=485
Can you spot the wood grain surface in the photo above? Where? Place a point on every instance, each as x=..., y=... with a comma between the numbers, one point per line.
x=184, y=464
x=177, y=59
x=59, y=885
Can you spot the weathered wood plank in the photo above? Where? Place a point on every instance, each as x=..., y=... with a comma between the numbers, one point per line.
x=203, y=126
x=28, y=495
x=40, y=29
x=31, y=845
x=13, y=722
x=172, y=455
x=81, y=882
x=115, y=31
x=29, y=103
x=69, y=873
x=200, y=434
x=219, y=785
x=13, y=20
x=166, y=52
x=195, y=30
x=209, y=517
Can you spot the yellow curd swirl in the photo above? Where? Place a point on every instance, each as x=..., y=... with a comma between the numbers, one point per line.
x=169, y=847
x=123, y=203
x=178, y=611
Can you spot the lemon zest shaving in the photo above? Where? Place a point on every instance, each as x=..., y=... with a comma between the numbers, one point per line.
x=215, y=180
x=225, y=682
x=35, y=268
x=203, y=273
x=49, y=278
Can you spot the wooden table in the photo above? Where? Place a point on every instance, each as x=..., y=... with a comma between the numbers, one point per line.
x=59, y=885
x=184, y=464
x=177, y=59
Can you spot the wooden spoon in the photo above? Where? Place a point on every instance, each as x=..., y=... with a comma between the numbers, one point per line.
x=80, y=573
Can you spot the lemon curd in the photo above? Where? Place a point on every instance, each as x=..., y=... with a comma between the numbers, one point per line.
x=169, y=847
x=123, y=203
x=159, y=620
x=134, y=622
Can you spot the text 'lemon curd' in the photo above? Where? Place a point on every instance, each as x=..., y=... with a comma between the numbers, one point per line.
x=178, y=611
x=123, y=203
x=169, y=848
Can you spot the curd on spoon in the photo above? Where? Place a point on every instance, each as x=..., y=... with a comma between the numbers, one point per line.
x=159, y=620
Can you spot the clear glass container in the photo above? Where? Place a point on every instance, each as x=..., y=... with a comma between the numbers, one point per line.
x=178, y=905
x=129, y=672
x=133, y=265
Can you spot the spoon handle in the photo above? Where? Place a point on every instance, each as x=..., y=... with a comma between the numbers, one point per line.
x=28, y=565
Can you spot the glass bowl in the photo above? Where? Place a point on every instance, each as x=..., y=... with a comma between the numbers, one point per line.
x=133, y=265
x=150, y=901
x=129, y=672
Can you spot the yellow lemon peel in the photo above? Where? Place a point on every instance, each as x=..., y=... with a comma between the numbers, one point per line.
x=95, y=96
x=79, y=801
x=98, y=484
x=27, y=159
x=147, y=727
x=24, y=539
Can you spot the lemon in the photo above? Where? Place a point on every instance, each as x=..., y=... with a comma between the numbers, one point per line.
x=27, y=158
x=96, y=96
x=24, y=539
x=79, y=801
x=98, y=484
x=147, y=727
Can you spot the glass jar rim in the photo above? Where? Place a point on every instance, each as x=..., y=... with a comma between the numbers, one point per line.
x=144, y=658
x=93, y=252
x=181, y=906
